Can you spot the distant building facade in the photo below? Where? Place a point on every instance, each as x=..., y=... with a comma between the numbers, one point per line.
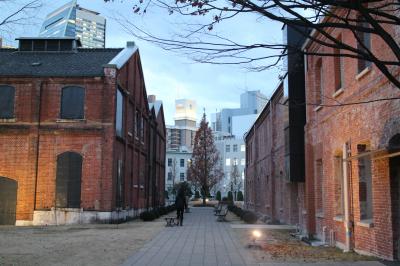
x=77, y=135
x=231, y=152
x=71, y=20
x=181, y=134
x=251, y=103
x=229, y=126
x=180, y=142
x=177, y=166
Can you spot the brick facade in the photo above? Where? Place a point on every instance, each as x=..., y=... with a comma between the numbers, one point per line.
x=31, y=142
x=268, y=190
x=328, y=129
x=350, y=197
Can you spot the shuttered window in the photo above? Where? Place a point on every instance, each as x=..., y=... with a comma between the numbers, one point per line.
x=72, y=102
x=363, y=44
x=68, y=180
x=7, y=97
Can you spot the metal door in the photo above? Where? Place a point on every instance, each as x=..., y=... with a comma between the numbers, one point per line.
x=395, y=183
x=8, y=201
x=68, y=180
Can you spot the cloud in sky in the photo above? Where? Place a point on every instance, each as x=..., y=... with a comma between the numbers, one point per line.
x=172, y=75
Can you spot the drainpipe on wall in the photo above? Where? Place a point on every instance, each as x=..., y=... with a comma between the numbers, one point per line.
x=346, y=199
x=39, y=109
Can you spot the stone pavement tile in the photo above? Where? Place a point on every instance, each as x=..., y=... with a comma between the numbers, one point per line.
x=201, y=241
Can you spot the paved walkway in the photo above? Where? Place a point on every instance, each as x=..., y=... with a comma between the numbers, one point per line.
x=202, y=241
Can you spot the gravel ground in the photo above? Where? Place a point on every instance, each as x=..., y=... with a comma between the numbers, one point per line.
x=95, y=244
x=279, y=246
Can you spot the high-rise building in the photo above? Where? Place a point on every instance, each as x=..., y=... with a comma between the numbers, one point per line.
x=181, y=135
x=237, y=121
x=71, y=20
x=180, y=141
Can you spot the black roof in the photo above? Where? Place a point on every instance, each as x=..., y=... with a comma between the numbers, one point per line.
x=83, y=62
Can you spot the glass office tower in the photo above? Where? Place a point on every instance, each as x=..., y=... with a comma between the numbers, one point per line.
x=71, y=20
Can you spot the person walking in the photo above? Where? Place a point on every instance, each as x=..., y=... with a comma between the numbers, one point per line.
x=180, y=203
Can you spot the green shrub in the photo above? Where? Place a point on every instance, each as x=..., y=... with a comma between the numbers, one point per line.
x=197, y=194
x=240, y=196
x=147, y=216
x=247, y=216
x=230, y=196
x=224, y=199
x=218, y=196
x=250, y=217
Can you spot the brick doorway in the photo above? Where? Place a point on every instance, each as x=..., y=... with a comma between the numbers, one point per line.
x=394, y=166
x=8, y=201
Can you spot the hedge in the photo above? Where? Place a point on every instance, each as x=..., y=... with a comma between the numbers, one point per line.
x=157, y=212
x=247, y=216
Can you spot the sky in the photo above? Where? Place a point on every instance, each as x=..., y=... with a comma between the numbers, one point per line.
x=171, y=75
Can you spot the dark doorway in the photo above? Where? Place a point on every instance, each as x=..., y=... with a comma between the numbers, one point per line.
x=68, y=180
x=394, y=165
x=8, y=201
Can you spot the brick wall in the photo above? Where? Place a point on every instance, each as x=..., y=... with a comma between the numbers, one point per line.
x=372, y=124
x=22, y=141
x=268, y=190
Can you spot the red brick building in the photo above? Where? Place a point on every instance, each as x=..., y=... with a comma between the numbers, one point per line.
x=352, y=152
x=350, y=192
x=269, y=190
x=75, y=129
x=275, y=146
x=157, y=153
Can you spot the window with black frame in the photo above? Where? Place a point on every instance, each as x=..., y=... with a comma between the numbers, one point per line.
x=72, y=103
x=7, y=101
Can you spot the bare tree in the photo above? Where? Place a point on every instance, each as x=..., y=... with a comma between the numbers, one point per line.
x=205, y=168
x=17, y=14
x=236, y=181
x=200, y=42
x=174, y=171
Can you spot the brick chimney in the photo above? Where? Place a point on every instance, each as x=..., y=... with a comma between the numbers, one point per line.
x=151, y=98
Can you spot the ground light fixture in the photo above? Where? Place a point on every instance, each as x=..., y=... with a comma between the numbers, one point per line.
x=255, y=236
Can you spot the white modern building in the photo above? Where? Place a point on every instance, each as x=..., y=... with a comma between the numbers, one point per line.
x=176, y=168
x=251, y=103
x=71, y=20
x=229, y=126
x=232, y=152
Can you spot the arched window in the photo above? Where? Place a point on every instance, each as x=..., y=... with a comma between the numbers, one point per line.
x=68, y=180
x=394, y=143
x=72, y=102
x=319, y=82
x=7, y=98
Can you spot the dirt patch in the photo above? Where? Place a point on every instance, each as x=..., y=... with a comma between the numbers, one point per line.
x=280, y=246
x=95, y=244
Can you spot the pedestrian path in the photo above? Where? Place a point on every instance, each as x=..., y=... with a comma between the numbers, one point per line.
x=200, y=241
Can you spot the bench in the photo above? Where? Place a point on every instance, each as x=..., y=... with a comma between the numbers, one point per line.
x=170, y=221
x=217, y=209
x=222, y=214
